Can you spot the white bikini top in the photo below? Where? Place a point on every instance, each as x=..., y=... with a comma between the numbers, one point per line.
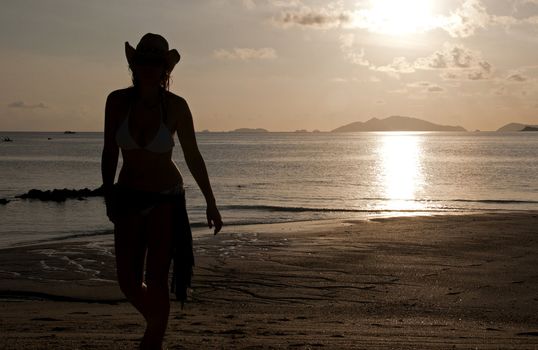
x=162, y=142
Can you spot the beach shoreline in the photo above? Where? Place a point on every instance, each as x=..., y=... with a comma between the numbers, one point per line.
x=431, y=282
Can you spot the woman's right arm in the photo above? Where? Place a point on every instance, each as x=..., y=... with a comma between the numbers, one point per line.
x=109, y=159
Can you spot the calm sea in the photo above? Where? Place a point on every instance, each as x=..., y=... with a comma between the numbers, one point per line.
x=277, y=177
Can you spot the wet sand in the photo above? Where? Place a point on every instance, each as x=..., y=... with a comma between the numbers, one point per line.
x=438, y=282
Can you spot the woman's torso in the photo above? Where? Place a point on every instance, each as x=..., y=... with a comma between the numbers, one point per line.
x=145, y=136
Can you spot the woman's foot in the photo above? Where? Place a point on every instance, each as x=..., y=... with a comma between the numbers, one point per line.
x=148, y=343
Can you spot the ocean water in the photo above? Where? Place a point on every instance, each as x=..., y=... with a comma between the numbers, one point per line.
x=278, y=177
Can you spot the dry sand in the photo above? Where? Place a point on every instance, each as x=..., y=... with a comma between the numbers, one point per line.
x=438, y=282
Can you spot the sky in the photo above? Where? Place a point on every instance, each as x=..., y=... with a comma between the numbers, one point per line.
x=275, y=64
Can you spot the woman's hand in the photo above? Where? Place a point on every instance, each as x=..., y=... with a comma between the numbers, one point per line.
x=110, y=202
x=213, y=218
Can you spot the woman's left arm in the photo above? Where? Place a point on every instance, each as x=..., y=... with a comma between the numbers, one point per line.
x=195, y=162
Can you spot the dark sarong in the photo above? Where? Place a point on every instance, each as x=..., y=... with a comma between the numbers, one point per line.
x=127, y=201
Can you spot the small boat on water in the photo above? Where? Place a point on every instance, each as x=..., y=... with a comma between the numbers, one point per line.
x=7, y=139
x=70, y=132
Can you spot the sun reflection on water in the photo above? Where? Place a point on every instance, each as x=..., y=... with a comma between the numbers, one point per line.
x=401, y=173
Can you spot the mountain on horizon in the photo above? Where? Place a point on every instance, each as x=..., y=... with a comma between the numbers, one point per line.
x=396, y=123
x=249, y=130
x=515, y=127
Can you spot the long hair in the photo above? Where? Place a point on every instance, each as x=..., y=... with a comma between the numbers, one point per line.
x=164, y=83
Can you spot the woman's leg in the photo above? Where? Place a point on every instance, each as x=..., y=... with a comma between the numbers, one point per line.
x=131, y=246
x=159, y=255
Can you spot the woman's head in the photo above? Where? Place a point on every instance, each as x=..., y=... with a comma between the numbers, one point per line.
x=151, y=62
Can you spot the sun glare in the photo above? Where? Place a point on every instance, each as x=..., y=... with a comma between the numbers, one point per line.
x=399, y=17
x=401, y=172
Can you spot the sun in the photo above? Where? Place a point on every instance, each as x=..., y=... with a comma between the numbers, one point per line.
x=398, y=17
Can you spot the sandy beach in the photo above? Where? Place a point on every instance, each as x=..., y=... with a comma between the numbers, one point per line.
x=436, y=282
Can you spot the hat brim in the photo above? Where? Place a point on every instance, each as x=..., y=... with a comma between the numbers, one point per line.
x=171, y=58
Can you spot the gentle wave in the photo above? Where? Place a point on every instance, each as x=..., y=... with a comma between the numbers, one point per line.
x=494, y=201
x=340, y=210
x=63, y=237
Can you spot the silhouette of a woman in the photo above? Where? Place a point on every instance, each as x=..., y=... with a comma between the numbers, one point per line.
x=147, y=204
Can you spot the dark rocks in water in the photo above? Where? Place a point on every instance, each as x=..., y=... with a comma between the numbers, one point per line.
x=61, y=195
x=4, y=201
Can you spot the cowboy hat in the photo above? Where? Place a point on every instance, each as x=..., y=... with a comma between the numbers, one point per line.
x=152, y=49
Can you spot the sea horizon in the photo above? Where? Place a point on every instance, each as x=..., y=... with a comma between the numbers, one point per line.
x=305, y=131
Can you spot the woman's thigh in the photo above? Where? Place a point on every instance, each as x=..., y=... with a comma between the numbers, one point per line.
x=159, y=236
x=130, y=246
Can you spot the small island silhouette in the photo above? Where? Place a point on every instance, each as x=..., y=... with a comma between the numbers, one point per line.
x=249, y=130
x=396, y=123
x=511, y=127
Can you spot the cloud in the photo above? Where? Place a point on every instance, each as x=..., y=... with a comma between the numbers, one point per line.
x=453, y=61
x=246, y=54
x=462, y=22
x=456, y=62
x=346, y=45
x=21, y=104
x=516, y=77
x=331, y=16
x=435, y=88
x=472, y=15
x=285, y=3
x=252, y=4
x=354, y=56
x=465, y=20
x=426, y=86
x=509, y=21
x=398, y=65
x=419, y=84
x=476, y=75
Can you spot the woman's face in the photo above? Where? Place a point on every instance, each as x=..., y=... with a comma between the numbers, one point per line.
x=148, y=72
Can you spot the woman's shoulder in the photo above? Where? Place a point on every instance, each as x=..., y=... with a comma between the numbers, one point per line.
x=177, y=105
x=117, y=103
x=119, y=96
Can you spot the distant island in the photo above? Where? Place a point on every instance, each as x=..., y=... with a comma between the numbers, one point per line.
x=511, y=127
x=396, y=123
x=258, y=130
